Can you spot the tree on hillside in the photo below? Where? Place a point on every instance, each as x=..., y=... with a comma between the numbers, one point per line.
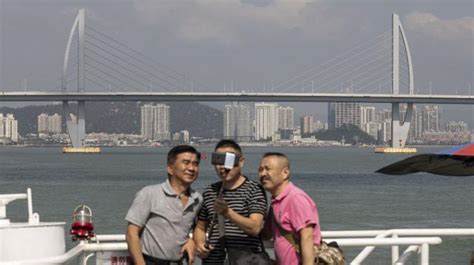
x=350, y=133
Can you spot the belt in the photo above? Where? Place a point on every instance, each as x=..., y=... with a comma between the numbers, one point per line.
x=156, y=261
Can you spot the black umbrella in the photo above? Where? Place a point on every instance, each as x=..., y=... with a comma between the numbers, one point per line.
x=457, y=161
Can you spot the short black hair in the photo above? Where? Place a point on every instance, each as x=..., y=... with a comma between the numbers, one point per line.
x=229, y=143
x=179, y=149
x=277, y=154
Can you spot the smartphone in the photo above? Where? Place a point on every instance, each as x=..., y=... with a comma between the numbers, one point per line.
x=229, y=160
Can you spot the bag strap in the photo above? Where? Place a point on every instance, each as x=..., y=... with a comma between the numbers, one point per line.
x=287, y=235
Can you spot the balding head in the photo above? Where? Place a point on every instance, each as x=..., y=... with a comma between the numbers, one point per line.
x=274, y=172
x=283, y=159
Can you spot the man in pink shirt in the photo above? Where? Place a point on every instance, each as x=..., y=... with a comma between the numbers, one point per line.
x=293, y=209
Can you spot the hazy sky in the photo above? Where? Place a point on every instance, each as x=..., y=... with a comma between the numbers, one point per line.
x=248, y=42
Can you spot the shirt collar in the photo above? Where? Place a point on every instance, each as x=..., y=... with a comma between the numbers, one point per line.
x=170, y=192
x=168, y=189
x=285, y=192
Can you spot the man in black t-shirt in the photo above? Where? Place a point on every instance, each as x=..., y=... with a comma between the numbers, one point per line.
x=243, y=206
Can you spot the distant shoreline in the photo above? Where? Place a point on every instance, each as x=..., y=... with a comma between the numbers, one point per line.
x=245, y=145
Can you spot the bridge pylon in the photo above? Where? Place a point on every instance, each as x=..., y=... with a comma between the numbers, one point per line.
x=75, y=120
x=400, y=127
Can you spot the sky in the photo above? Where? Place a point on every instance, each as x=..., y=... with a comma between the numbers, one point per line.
x=246, y=44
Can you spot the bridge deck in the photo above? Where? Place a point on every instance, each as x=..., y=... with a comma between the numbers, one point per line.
x=235, y=96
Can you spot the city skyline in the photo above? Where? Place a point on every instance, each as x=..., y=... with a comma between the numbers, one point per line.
x=427, y=125
x=303, y=37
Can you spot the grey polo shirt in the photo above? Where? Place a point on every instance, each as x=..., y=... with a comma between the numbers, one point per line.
x=166, y=223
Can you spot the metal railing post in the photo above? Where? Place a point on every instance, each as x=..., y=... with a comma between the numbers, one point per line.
x=395, y=250
x=407, y=254
x=425, y=254
x=86, y=259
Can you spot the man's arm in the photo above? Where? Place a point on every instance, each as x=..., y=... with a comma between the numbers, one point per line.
x=307, y=245
x=134, y=245
x=250, y=225
x=189, y=249
x=199, y=237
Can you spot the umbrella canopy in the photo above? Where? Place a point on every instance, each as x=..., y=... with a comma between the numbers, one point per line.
x=457, y=161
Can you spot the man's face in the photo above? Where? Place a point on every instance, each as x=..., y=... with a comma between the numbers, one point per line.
x=272, y=172
x=226, y=174
x=185, y=168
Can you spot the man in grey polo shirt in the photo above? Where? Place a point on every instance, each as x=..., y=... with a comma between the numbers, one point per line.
x=161, y=216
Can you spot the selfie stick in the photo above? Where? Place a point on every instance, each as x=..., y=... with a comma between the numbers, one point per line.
x=228, y=165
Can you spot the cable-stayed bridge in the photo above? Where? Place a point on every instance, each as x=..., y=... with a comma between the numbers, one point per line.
x=234, y=96
x=97, y=67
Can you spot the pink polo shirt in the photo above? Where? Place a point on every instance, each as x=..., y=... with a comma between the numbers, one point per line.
x=294, y=210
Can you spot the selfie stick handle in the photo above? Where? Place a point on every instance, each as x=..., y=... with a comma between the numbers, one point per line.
x=213, y=220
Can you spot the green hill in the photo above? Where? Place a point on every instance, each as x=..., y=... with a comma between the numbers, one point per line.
x=351, y=134
x=124, y=117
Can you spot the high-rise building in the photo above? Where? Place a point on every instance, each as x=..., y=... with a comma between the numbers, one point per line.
x=237, y=122
x=14, y=129
x=49, y=123
x=418, y=126
x=9, y=127
x=307, y=124
x=176, y=137
x=372, y=128
x=55, y=123
x=185, y=136
x=2, y=127
x=155, y=122
x=367, y=121
x=340, y=113
x=367, y=114
x=431, y=118
x=147, y=121
x=230, y=121
x=385, y=132
x=416, y=123
x=162, y=122
x=266, y=120
x=383, y=115
x=286, y=116
x=43, y=123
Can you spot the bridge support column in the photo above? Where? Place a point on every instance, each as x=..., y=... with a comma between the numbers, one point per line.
x=400, y=127
x=76, y=127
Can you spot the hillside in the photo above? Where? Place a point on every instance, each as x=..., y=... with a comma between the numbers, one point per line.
x=352, y=134
x=124, y=117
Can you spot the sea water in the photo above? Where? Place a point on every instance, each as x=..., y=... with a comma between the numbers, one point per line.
x=349, y=195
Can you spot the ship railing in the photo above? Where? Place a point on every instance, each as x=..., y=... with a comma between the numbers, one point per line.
x=5, y=199
x=418, y=242
x=103, y=243
x=421, y=249
x=82, y=252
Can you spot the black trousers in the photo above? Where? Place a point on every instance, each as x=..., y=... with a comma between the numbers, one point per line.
x=149, y=260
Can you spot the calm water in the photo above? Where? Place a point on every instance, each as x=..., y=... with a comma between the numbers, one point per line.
x=341, y=180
